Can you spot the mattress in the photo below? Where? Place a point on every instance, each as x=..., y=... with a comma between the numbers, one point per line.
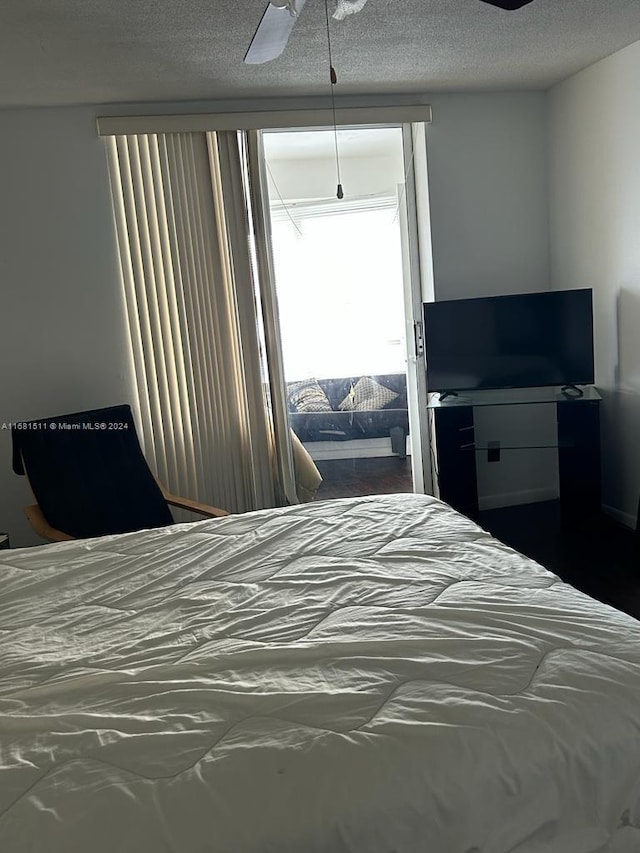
x=369, y=675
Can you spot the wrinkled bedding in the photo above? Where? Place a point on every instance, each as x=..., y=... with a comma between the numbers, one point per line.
x=369, y=675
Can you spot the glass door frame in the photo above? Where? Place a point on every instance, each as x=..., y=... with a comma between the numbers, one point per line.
x=418, y=288
x=417, y=284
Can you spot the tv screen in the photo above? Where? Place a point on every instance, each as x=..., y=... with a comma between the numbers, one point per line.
x=519, y=341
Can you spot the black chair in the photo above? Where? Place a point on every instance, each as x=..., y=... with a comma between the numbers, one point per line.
x=90, y=478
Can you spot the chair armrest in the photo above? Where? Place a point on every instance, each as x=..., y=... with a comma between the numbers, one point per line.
x=42, y=526
x=192, y=506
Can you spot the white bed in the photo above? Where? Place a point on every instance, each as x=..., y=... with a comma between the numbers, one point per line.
x=371, y=675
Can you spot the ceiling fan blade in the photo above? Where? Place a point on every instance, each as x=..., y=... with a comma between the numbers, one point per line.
x=508, y=4
x=271, y=37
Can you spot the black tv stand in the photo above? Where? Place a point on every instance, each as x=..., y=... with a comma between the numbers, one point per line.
x=445, y=394
x=572, y=392
x=577, y=444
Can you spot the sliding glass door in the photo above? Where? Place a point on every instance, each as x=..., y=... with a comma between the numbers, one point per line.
x=347, y=281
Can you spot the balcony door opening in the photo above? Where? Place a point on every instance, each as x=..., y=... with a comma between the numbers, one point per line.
x=340, y=268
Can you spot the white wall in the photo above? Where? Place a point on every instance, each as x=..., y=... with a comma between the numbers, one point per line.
x=488, y=188
x=595, y=242
x=62, y=340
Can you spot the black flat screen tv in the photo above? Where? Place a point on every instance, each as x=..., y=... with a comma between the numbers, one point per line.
x=520, y=341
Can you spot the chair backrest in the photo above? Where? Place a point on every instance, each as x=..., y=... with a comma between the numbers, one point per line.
x=88, y=473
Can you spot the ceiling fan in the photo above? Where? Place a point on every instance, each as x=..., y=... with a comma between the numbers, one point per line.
x=275, y=26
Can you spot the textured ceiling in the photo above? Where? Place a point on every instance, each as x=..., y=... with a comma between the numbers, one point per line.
x=115, y=51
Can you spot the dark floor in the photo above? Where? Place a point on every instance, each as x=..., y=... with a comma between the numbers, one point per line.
x=601, y=558
x=351, y=478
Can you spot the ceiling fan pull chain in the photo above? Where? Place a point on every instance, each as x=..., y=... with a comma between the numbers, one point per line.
x=333, y=79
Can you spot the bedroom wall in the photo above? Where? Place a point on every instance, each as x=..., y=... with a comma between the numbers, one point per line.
x=488, y=167
x=63, y=341
x=595, y=223
x=62, y=346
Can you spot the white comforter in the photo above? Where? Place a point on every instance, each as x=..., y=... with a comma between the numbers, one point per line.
x=375, y=675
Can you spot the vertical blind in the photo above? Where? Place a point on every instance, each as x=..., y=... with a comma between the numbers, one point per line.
x=182, y=231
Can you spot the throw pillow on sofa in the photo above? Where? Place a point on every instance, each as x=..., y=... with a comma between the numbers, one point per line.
x=308, y=396
x=367, y=395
